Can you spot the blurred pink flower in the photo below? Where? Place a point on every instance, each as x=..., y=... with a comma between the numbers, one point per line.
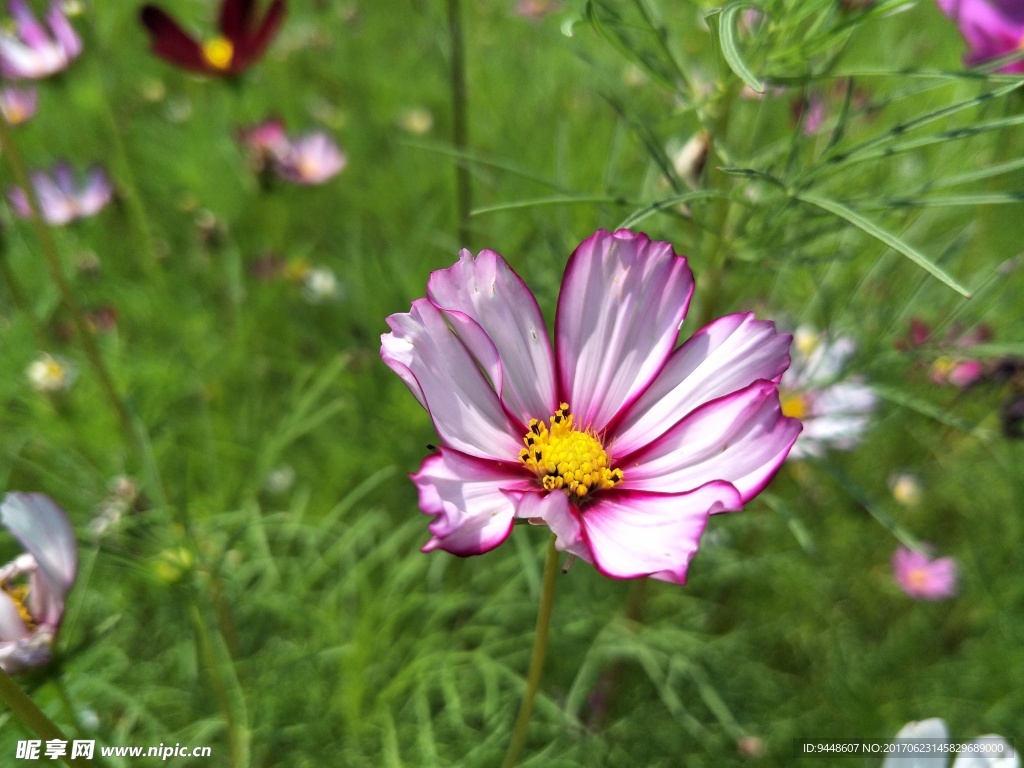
x=536, y=9
x=954, y=367
x=267, y=143
x=61, y=199
x=810, y=112
x=32, y=52
x=18, y=104
x=991, y=28
x=922, y=578
x=312, y=158
x=30, y=613
x=620, y=444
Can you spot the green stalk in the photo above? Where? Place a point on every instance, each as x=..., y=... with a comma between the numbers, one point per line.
x=49, y=248
x=457, y=83
x=540, y=647
x=33, y=717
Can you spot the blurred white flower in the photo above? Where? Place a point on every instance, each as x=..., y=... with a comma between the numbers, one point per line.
x=279, y=480
x=906, y=489
x=320, y=285
x=50, y=374
x=989, y=751
x=416, y=120
x=834, y=411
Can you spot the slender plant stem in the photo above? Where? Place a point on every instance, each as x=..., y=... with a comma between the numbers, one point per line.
x=49, y=248
x=460, y=131
x=540, y=647
x=219, y=687
x=34, y=718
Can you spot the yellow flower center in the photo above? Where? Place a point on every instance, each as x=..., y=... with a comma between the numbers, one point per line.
x=564, y=457
x=218, y=52
x=918, y=578
x=19, y=595
x=795, y=405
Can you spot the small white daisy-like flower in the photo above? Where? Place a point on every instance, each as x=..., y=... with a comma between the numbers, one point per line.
x=50, y=374
x=835, y=411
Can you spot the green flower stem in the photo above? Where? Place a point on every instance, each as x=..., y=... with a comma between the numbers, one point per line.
x=49, y=248
x=457, y=81
x=540, y=647
x=32, y=716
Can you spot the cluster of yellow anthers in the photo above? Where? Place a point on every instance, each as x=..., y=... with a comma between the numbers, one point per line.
x=563, y=457
x=19, y=596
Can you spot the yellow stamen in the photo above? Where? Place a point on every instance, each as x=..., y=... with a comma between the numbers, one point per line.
x=918, y=578
x=218, y=52
x=564, y=457
x=19, y=595
x=795, y=405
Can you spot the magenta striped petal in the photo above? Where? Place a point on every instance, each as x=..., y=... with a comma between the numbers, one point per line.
x=489, y=292
x=436, y=366
x=741, y=438
x=725, y=356
x=623, y=298
x=634, y=533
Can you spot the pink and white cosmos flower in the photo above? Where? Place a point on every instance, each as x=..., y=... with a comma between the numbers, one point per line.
x=32, y=52
x=923, y=578
x=61, y=198
x=620, y=442
x=34, y=585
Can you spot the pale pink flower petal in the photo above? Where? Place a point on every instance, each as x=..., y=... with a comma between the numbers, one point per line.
x=623, y=298
x=727, y=355
x=634, y=533
x=12, y=626
x=472, y=500
x=438, y=369
x=61, y=198
x=487, y=291
x=742, y=438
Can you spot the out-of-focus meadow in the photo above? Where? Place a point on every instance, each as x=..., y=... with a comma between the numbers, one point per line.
x=250, y=576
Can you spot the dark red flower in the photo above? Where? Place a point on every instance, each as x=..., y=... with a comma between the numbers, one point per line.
x=242, y=39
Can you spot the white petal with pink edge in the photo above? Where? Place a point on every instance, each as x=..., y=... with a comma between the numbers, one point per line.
x=623, y=298
x=635, y=533
x=741, y=438
x=487, y=290
x=725, y=356
x=442, y=374
x=473, y=500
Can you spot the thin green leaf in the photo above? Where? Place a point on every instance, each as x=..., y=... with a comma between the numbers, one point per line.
x=838, y=209
x=554, y=200
x=660, y=205
x=730, y=47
